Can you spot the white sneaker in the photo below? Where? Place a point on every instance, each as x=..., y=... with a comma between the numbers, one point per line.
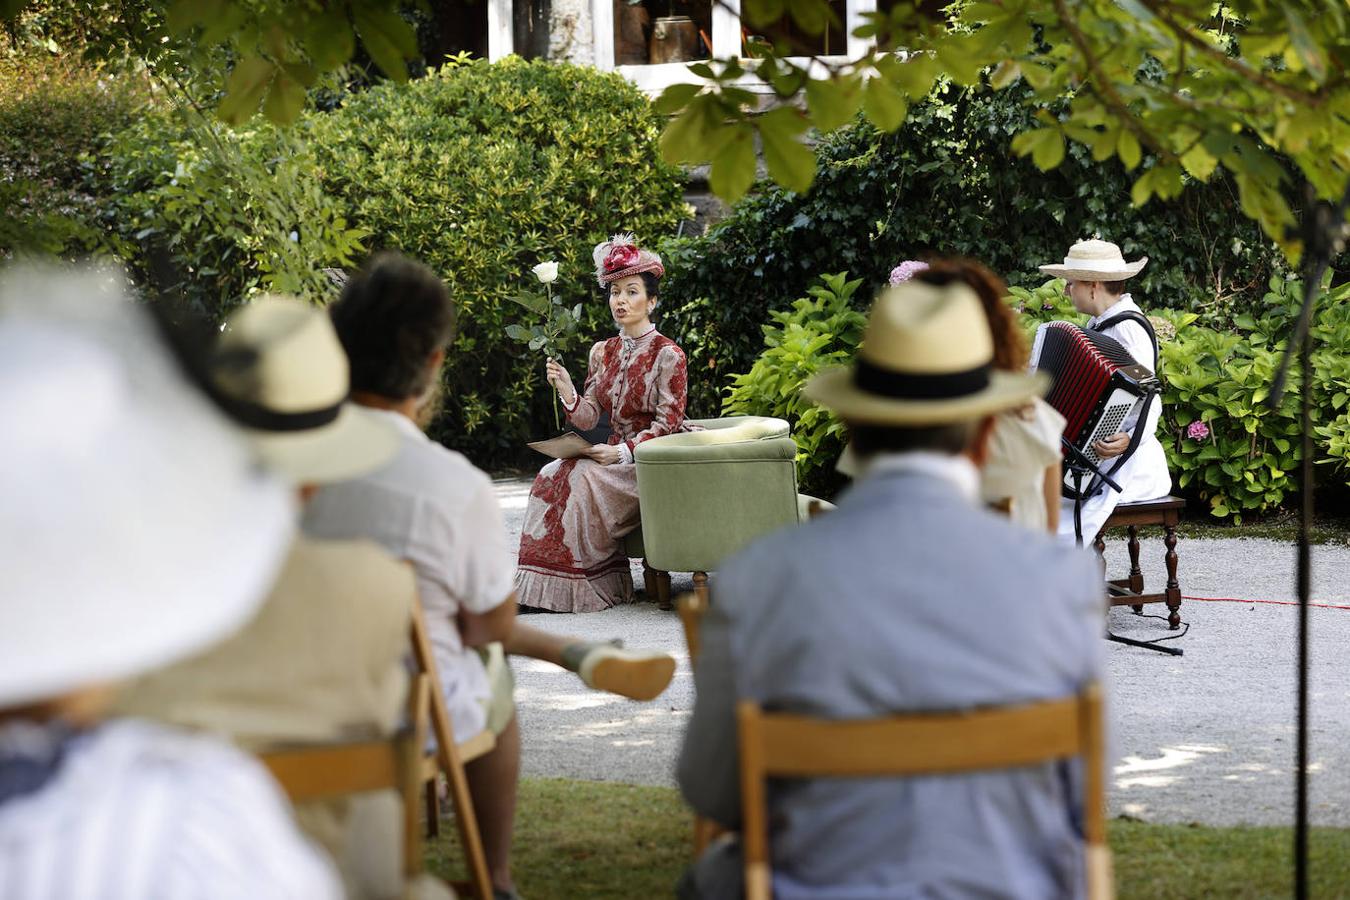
x=637, y=674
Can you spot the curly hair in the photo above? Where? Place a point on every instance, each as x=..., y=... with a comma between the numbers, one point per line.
x=1010, y=347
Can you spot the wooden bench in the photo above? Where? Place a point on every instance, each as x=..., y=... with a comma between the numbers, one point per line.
x=1129, y=591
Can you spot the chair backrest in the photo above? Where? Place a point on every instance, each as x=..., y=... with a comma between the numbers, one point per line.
x=308, y=772
x=781, y=745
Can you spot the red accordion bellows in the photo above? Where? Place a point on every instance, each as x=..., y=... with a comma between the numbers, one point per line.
x=1096, y=382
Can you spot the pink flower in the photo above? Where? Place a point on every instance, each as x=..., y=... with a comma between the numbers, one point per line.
x=621, y=257
x=907, y=270
x=1197, y=430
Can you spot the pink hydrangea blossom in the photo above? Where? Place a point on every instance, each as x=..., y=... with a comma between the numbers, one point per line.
x=907, y=270
x=1197, y=430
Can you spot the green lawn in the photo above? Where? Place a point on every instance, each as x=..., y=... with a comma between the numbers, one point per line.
x=580, y=839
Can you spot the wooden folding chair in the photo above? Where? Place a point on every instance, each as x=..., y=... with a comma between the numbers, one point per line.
x=450, y=758
x=691, y=608
x=318, y=771
x=779, y=745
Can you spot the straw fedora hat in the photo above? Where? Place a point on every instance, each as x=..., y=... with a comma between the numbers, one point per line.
x=1095, y=260
x=926, y=359
x=284, y=376
x=136, y=524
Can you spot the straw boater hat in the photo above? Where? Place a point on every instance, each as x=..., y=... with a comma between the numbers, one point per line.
x=281, y=372
x=620, y=257
x=926, y=359
x=136, y=524
x=1095, y=260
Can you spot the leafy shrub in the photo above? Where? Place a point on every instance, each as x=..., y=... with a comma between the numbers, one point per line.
x=1242, y=463
x=218, y=215
x=819, y=331
x=947, y=183
x=56, y=122
x=481, y=171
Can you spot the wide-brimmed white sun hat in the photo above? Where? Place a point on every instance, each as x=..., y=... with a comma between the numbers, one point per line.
x=926, y=359
x=136, y=524
x=284, y=376
x=1095, y=260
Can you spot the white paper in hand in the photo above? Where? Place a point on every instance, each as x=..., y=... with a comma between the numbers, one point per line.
x=567, y=446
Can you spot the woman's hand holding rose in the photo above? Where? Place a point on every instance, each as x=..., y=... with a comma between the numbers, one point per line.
x=561, y=381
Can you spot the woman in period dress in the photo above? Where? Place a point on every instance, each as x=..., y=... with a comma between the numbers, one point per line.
x=571, y=555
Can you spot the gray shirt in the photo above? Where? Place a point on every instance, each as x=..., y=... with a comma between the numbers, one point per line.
x=906, y=598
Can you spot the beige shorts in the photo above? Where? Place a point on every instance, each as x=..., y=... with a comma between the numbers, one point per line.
x=500, y=704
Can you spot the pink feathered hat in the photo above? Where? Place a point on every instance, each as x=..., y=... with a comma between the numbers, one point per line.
x=620, y=256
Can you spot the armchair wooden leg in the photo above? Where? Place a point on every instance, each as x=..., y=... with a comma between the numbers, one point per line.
x=701, y=586
x=1136, y=573
x=1173, y=592
x=662, y=589
x=648, y=580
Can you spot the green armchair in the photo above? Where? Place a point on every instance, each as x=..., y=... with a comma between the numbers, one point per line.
x=703, y=495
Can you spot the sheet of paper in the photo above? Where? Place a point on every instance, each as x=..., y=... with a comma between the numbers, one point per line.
x=565, y=446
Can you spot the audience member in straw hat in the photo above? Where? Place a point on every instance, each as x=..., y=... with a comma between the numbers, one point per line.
x=1021, y=477
x=429, y=505
x=909, y=596
x=1094, y=276
x=323, y=660
x=137, y=530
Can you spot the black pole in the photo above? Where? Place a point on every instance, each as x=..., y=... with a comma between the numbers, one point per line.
x=1304, y=591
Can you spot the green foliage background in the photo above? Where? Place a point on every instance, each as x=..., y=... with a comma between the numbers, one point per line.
x=1214, y=372
x=479, y=170
x=948, y=183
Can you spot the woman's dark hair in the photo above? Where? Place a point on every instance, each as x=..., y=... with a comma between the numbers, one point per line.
x=392, y=316
x=1010, y=347
x=1114, y=288
x=651, y=283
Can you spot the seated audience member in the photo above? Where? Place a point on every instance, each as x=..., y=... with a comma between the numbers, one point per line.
x=324, y=659
x=1021, y=476
x=1094, y=276
x=137, y=530
x=910, y=596
x=433, y=508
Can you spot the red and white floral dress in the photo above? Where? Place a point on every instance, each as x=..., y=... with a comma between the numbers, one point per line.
x=571, y=555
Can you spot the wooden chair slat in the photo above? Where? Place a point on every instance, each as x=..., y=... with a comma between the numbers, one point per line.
x=919, y=744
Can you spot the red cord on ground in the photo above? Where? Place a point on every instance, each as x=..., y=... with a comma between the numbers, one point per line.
x=1272, y=602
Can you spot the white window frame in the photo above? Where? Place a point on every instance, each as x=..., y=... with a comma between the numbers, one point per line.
x=726, y=40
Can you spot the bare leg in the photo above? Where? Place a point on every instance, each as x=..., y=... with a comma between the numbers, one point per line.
x=493, y=779
x=526, y=640
x=636, y=674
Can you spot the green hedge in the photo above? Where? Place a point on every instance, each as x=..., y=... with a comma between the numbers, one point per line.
x=1227, y=452
x=56, y=123
x=479, y=170
x=948, y=184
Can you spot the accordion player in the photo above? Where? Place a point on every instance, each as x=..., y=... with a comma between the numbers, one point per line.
x=1100, y=389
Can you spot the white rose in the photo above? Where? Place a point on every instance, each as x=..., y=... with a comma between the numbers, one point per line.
x=546, y=272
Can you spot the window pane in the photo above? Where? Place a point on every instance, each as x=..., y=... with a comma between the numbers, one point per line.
x=795, y=42
x=661, y=31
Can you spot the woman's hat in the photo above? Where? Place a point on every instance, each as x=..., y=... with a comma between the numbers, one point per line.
x=620, y=257
x=1095, y=260
x=136, y=524
x=926, y=359
x=281, y=372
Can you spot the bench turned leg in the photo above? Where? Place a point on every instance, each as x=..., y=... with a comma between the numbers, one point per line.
x=1173, y=591
x=1136, y=573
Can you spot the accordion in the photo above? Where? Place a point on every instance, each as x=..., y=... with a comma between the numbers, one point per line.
x=1097, y=387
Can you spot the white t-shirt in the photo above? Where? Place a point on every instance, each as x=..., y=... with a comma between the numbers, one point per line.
x=431, y=506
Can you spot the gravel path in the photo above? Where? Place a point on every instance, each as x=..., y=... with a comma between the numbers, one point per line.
x=1208, y=737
